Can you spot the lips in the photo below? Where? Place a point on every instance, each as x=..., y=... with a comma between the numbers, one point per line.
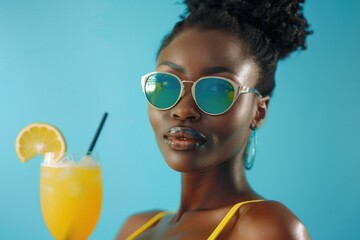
x=184, y=139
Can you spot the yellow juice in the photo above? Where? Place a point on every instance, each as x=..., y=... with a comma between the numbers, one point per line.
x=71, y=198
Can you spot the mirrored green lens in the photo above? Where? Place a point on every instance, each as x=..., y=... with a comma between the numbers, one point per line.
x=162, y=90
x=214, y=95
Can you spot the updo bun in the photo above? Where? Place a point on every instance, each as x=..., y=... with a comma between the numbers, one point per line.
x=281, y=21
x=271, y=29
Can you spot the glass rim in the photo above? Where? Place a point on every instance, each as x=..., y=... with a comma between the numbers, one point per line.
x=71, y=158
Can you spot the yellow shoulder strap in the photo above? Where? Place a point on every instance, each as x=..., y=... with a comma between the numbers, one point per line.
x=147, y=225
x=227, y=218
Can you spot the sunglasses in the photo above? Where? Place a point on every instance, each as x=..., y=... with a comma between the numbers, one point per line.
x=213, y=95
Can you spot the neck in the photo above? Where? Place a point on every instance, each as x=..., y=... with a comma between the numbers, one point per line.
x=214, y=188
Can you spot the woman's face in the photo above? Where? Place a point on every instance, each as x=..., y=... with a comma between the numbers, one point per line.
x=189, y=139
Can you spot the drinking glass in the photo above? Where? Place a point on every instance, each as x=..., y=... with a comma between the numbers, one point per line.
x=71, y=195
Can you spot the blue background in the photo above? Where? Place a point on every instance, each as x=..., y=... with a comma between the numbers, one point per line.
x=66, y=62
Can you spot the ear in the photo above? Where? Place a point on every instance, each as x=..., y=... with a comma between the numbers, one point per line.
x=262, y=106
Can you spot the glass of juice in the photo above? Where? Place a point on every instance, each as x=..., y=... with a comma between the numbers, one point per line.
x=71, y=195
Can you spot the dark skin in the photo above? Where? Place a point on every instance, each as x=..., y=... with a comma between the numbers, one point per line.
x=213, y=176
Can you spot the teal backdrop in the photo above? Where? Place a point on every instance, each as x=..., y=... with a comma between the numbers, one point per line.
x=66, y=62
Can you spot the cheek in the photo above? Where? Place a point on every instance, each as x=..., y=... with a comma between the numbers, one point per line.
x=229, y=136
x=153, y=118
x=231, y=131
x=157, y=120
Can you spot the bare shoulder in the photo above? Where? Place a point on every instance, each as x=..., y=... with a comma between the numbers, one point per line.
x=134, y=222
x=270, y=220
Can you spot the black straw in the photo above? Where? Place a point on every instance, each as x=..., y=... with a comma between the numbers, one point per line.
x=92, y=145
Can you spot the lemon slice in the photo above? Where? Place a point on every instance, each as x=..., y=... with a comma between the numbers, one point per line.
x=38, y=138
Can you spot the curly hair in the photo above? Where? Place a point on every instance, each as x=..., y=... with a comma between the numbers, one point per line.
x=271, y=29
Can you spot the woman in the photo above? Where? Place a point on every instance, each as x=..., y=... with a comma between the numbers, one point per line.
x=209, y=94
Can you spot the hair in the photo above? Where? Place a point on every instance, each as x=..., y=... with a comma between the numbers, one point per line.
x=270, y=29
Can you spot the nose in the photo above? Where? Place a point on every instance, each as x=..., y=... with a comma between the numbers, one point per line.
x=186, y=109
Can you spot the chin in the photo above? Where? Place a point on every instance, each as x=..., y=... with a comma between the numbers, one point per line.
x=186, y=161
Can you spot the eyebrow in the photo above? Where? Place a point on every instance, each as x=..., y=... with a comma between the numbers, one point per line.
x=206, y=71
x=217, y=69
x=173, y=66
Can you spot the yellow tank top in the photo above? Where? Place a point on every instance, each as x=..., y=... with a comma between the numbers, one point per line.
x=212, y=236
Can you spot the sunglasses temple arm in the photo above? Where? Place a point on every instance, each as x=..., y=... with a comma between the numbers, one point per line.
x=244, y=89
